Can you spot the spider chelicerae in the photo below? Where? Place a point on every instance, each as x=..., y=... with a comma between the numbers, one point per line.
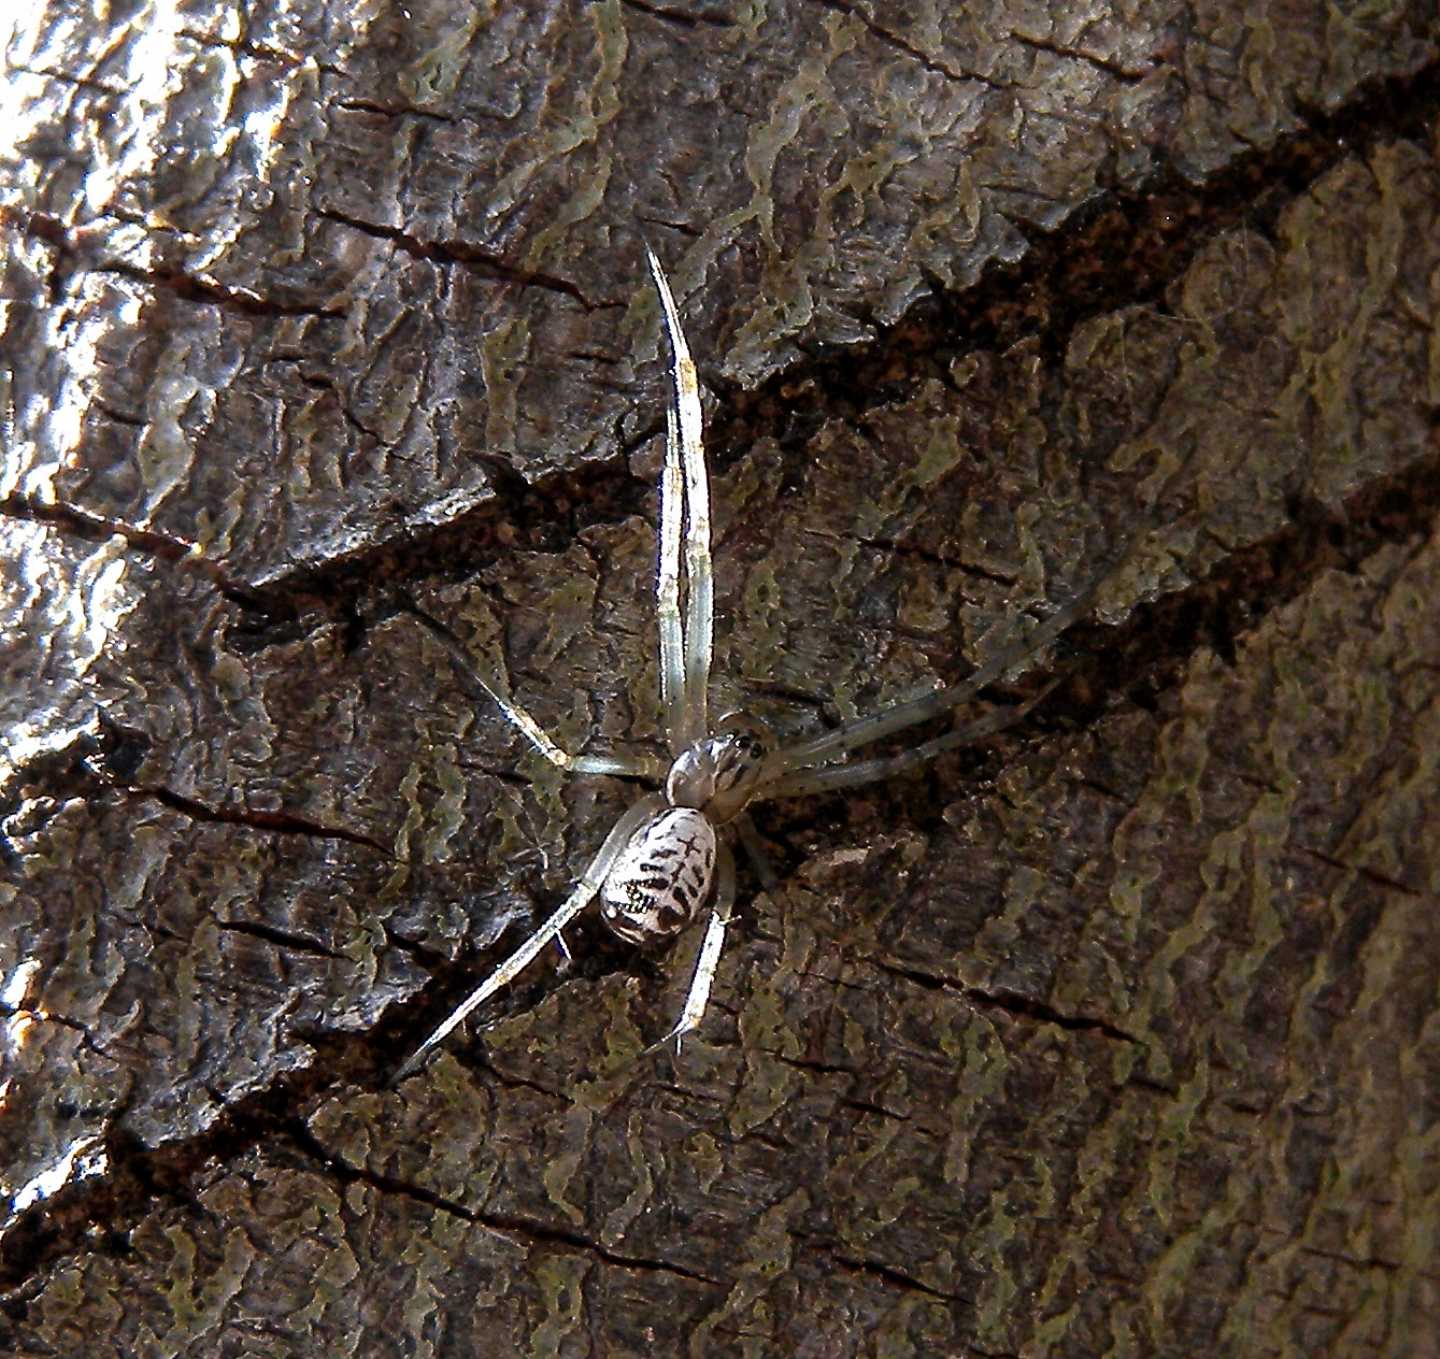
x=667, y=857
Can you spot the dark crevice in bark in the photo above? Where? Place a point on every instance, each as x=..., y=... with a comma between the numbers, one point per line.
x=546, y=516
x=898, y=43
x=812, y=1065
x=1152, y=1086
x=1370, y=874
x=1148, y=653
x=1130, y=75
x=887, y=1274
x=506, y=776
x=209, y=293
x=320, y=383
x=282, y=823
x=1122, y=250
x=1145, y=237
x=394, y=110
x=282, y=939
x=245, y=46
x=861, y=1106
x=1061, y=281
x=1139, y=661
x=1012, y=1002
x=65, y=78
x=472, y=256
x=530, y=1230
x=892, y=547
x=142, y=1178
x=475, y=1058
x=684, y=18
x=1362, y=1263
x=93, y=528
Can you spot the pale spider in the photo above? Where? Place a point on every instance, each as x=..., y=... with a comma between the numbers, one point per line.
x=657, y=866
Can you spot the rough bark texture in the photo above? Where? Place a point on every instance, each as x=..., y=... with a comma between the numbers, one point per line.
x=1119, y=1036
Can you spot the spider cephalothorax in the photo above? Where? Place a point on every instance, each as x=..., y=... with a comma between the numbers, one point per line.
x=666, y=858
x=719, y=774
x=661, y=877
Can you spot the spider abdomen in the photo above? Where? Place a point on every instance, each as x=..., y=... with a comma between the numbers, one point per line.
x=661, y=879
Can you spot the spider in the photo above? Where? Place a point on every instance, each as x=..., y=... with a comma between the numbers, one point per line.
x=666, y=856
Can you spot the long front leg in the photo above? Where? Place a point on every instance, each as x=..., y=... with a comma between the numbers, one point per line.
x=699, y=586
x=667, y=589
x=580, y=897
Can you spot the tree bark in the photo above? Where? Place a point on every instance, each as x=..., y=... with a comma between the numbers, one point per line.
x=1115, y=1035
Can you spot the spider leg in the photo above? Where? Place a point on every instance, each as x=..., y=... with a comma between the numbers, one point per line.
x=708, y=959
x=755, y=849
x=580, y=897
x=887, y=766
x=633, y=765
x=667, y=588
x=699, y=581
x=910, y=712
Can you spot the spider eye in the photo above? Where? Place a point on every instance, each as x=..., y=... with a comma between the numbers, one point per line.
x=742, y=724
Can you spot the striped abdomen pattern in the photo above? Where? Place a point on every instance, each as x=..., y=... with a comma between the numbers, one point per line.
x=662, y=877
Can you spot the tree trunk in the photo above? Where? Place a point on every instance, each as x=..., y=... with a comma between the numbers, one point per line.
x=1115, y=1035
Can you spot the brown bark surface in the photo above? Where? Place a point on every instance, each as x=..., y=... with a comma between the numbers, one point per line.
x=1119, y=1035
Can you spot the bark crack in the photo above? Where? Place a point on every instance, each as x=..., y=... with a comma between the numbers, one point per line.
x=97, y=528
x=678, y=16
x=900, y=44
x=883, y=1271
x=281, y=823
x=1012, y=1002
x=282, y=939
x=1372, y=875
x=206, y=291
x=546, y=1234
x=1129, y=74
x=465, y=253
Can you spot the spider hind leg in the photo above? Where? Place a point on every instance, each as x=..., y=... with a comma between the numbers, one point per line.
x=708, y=959
x=580, y=897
